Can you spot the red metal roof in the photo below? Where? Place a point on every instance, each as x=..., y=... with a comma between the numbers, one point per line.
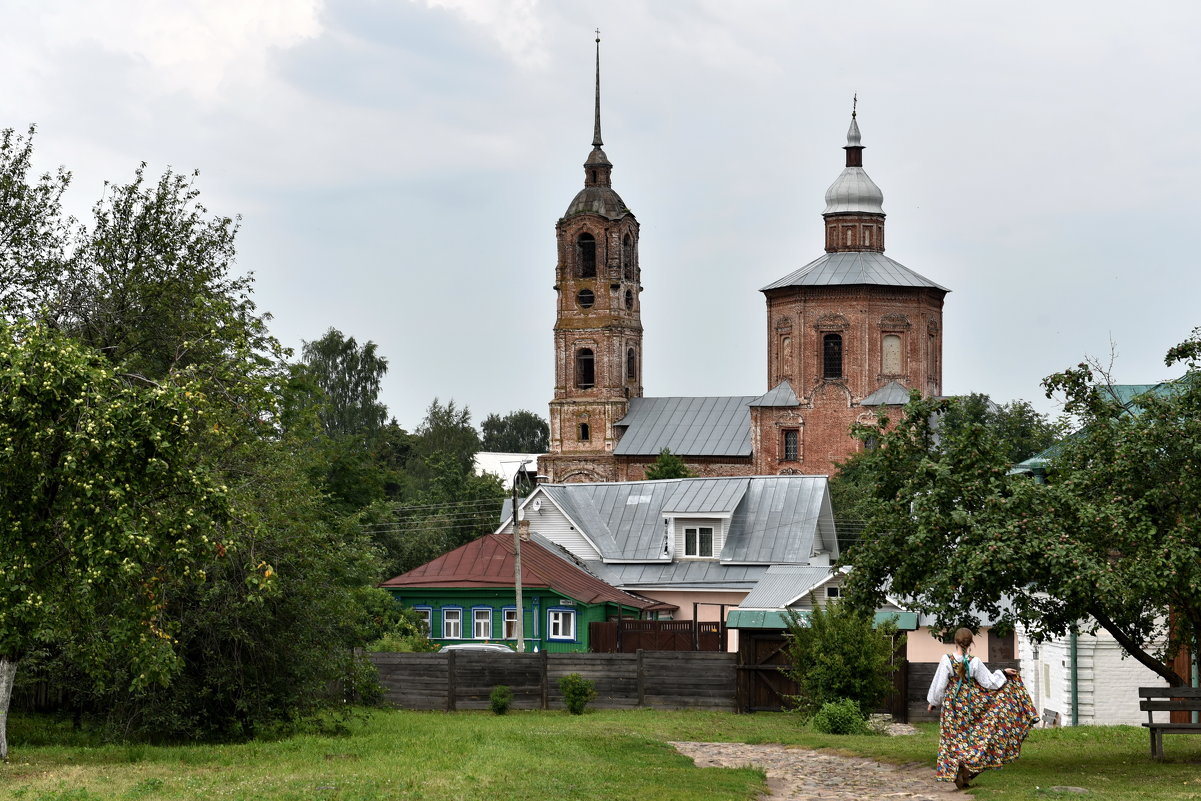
x=488, y=562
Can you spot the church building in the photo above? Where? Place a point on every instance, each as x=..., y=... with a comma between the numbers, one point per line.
x=848, y=333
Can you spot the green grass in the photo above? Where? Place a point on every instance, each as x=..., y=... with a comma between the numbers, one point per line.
x=544, y=755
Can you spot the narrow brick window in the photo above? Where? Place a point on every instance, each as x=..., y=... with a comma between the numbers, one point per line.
x=792, y=441
x=585, y=246
x=585, y=375
x=627, y=257
x=631, y=365
x=890, y=355
x=832, y=356
x=584, y=434
x=629, y=299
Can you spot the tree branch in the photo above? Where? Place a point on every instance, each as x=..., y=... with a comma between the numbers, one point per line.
x=1171, y=676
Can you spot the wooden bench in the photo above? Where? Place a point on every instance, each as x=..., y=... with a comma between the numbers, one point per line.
x=1168, y=699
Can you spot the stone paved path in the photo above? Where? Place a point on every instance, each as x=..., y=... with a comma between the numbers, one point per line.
x=799, y=774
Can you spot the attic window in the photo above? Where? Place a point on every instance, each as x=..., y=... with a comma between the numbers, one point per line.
x=698, y=541
x=833, y=592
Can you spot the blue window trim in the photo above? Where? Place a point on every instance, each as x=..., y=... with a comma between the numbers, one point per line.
x=442, y=617
x=491, y=622
x=503, y=610
x=430, y=610
x=575, y=624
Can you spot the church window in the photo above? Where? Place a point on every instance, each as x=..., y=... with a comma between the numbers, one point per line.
x=586, y=298
x=629, y=299
x=585, y=245
x=627, y=257
x=585, y=374
x=585, y=433
x=631, y=365
x=867, y=235
x=850, y=235
x=792, y=440
x=890, y=355
x=832, y=356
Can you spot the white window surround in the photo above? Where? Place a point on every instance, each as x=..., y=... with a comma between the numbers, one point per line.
x=560, y=624
x=481, y=623
x=426, y=613
x=509, y=624
x=452, y=623
x=689, y=534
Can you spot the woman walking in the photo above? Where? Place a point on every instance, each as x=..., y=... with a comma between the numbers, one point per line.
x=985, y=714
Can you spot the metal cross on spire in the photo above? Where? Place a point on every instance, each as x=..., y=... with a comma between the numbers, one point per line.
x=596, y=131
x=854, y=104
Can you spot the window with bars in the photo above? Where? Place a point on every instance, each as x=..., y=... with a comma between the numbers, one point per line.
x=832, y=356
x=792, y=445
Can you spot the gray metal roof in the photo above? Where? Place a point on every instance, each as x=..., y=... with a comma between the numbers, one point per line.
x=854, y=191
x=776, y=519
x=692, y=575
x=854, y=267
x=602, y=200
x=782, y=395
x=781, y=585
x=687, y=426
x=893, y=393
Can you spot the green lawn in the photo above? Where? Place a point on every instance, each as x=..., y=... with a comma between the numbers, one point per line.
x=606, y=755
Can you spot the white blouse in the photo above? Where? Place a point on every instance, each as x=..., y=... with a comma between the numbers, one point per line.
x=989, y=680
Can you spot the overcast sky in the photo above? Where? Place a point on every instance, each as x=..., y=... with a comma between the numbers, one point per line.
x=399, y=166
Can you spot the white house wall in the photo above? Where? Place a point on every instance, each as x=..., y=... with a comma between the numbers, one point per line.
x=549, y=522
x=1107, y=684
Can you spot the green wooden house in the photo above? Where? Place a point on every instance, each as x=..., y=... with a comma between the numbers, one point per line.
x=468, y=595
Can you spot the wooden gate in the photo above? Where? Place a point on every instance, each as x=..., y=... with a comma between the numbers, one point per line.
x=763, y=686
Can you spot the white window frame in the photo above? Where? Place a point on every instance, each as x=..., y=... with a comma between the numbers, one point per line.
x=508, y=626
x=481, y=623
x=560, y=624
x=695, y=551
x=457, y=612
x=427, y=617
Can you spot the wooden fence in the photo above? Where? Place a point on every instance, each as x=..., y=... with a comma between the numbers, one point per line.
x=628, y=636
x=460, y=680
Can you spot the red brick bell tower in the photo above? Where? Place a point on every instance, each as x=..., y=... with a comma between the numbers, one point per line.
x=598, y=326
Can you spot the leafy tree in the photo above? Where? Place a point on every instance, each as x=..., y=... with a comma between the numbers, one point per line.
x=446, y=430
x=839, y=653
x=101, y=503
x=1020, y=430
x=1110, y=541
x=34, y=234
x=349, y=377
x=516, y=432
x=668, y=465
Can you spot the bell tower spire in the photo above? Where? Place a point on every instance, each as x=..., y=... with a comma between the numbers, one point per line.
x=598, y=325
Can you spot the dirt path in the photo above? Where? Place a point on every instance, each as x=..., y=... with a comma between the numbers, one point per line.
x=800, y=774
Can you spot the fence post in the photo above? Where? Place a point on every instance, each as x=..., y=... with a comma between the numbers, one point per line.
x=544, y=662
x=641, y=680
x=451, y=682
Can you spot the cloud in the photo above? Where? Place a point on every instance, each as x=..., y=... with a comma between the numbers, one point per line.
x=514, y=24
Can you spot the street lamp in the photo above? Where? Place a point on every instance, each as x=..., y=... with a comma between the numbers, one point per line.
x=517, y=562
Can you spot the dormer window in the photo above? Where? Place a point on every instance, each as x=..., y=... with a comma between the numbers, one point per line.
x=698, y=541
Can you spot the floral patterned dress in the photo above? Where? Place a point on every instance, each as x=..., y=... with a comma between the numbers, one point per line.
x=981, y=728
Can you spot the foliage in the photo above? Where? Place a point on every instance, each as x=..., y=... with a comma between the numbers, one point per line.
x=349, y=377
x=104, y=502
x=668, y=465
x=445, y=433
x=501, y=699
x=840, y=717
x=517, y=432
x=577, y=692
x=34, y=234
x=401, y=630
x=1111, y=540
x=839, y=653
x=1020, y=430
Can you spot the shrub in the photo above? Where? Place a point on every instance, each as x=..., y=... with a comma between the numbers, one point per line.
x=839, y=653
x=501, y=699
x=577, y=692
x=840, y=717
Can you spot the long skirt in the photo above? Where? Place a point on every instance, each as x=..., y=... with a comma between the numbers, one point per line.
x=982, y=729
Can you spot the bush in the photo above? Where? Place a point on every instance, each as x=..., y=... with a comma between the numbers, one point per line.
x=840, y=717
x=501, y=699
x=839, y=653
x=577, y=692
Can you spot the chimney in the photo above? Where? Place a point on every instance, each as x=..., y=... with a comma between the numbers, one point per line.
x=523, y=530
